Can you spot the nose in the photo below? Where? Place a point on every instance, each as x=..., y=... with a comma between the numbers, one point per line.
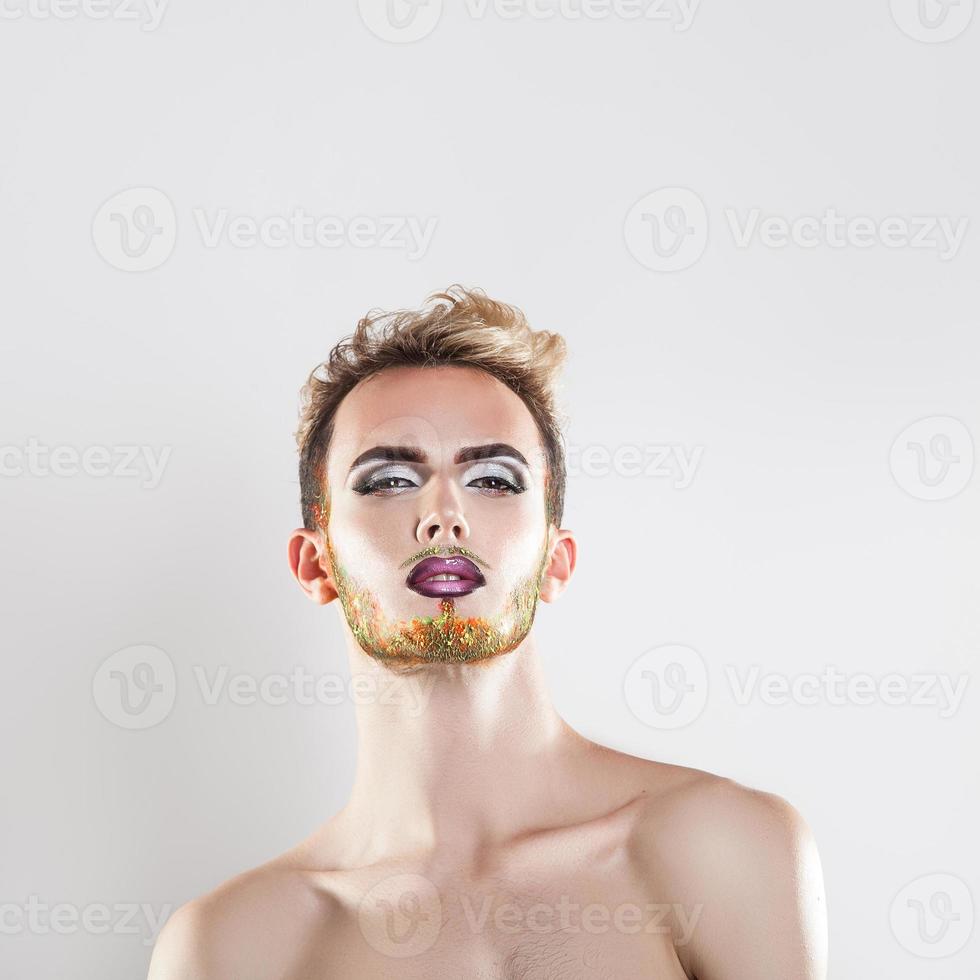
x=444, y=522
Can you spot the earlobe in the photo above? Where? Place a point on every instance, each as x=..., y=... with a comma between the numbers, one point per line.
x=309, y=566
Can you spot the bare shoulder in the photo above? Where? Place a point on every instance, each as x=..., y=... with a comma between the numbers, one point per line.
x=743, y=867
x=250, y=926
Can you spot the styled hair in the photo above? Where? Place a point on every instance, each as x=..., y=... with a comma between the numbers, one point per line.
x=460, y=327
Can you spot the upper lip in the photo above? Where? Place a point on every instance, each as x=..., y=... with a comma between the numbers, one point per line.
x=456, y=565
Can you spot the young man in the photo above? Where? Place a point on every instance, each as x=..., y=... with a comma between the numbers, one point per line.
x=484, y=838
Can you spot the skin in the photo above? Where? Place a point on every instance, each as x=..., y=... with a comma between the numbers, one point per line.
x=484, y=837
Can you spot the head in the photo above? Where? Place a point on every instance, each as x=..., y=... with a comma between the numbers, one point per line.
x=433, y=435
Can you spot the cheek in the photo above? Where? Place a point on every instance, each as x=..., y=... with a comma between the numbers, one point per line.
x=369, y=538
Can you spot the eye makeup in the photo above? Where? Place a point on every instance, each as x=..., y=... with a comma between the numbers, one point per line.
x=505, y=479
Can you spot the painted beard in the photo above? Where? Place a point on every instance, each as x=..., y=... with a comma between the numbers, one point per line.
x=446, y=638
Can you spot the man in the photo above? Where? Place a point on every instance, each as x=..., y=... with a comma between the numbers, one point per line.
x=484, y=838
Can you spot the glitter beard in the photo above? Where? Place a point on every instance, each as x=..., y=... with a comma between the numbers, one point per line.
x=446, y=638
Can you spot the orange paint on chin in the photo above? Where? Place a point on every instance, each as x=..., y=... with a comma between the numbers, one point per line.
x=445, y=638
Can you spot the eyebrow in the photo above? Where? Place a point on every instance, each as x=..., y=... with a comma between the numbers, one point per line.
x=412, y=454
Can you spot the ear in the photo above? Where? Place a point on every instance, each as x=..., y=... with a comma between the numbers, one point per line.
x=310, y=565
x=564, y=551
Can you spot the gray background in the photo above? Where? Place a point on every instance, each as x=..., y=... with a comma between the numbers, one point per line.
x=800, y=544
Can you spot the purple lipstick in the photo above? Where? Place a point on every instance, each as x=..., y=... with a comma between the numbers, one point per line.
x=439, y=577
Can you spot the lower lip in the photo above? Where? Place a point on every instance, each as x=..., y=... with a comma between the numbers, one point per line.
x=453, y=587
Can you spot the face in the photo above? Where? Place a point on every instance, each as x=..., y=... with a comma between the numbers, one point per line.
x=434, y=516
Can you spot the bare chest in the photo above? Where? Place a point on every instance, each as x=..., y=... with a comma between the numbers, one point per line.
x=566, y=921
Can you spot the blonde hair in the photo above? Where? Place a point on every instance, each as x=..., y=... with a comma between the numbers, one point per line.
x=461, y=327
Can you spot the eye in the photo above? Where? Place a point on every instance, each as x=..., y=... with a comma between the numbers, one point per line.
x=385, y=484
x=495, y=479
x=503, y=486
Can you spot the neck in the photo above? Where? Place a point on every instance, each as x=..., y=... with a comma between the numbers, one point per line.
x=467, y=756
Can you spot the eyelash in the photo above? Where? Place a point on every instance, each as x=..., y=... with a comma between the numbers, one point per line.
x=372, y=487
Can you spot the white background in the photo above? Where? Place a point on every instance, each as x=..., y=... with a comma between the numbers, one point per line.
x=799, y=544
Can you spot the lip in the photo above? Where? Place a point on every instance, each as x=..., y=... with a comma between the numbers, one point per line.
x=470, y=577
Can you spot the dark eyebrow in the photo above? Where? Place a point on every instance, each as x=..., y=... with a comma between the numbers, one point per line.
x=412, y=454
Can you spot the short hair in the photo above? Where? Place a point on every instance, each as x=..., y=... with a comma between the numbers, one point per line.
x=459, y=327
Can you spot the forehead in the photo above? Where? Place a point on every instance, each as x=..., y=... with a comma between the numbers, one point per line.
x=439, y=409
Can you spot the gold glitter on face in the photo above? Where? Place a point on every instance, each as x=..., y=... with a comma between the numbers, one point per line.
x=443, y=638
